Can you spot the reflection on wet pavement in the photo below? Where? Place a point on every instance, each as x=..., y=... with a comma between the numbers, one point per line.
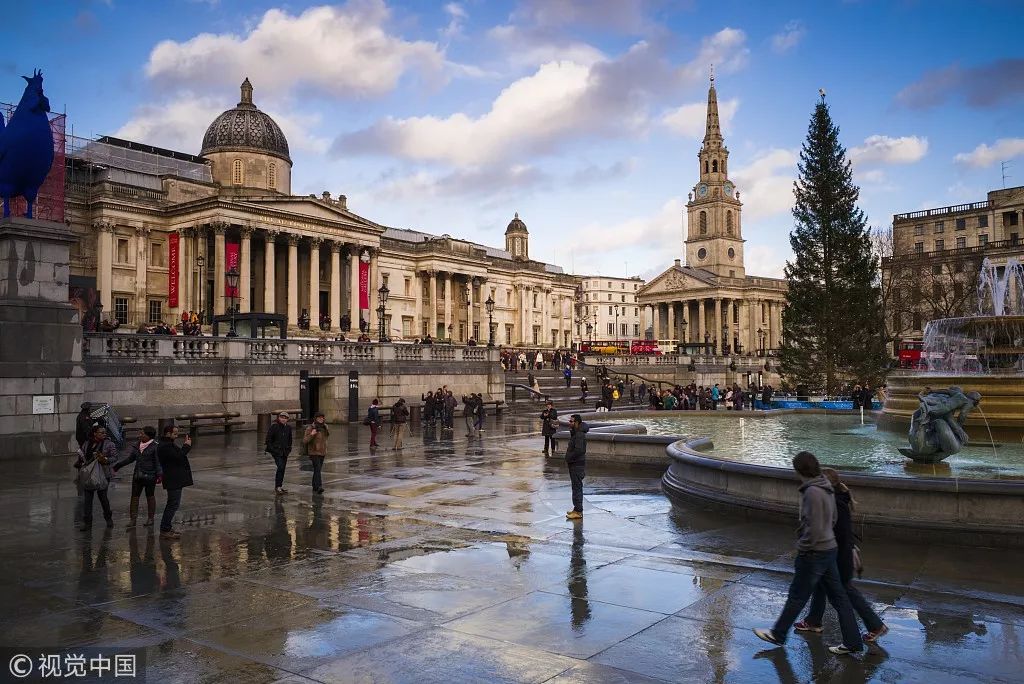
x=452, y=561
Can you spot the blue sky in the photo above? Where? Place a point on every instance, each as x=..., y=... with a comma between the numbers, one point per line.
x=585, y=117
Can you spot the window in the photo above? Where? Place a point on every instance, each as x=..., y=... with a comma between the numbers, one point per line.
x=122, y=250
x=408, y=288
x=622, y=286
x=1014, y=238
x=936, y=269
x=732, y=273
x=609, y=286
x=611, y=328
x=703, y=223
x=609, y=311
x=156, y=254
x=407, y=326
x=961, y=242
x=121, y=310
x=940, y=245
x=155, y=310
x=534, y=300
x=623, y=329
x=939, y=226
x=609, y=296
x=983, y=221
x=917, y=321
x=982, y=240
x=636, y=286
x=1009, y=218
x=509, y=327
x=705, y=167
x=961, y=224
x=728, y=222
x=384, y=277
x=623, y=298
x=236, y=172
x=919, y=248
x=636, y=310
x=714, y=166
x=272, y=178
x=636, y=330
x=919, y=229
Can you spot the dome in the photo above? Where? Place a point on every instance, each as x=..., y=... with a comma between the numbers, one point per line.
x=245, y=128
x=516, y=225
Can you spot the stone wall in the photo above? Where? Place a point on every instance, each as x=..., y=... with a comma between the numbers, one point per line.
x=158, y=376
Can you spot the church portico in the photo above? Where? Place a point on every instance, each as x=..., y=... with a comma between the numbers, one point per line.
x=710, y=305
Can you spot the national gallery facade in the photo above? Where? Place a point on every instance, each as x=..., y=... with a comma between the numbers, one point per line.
x=160, y=232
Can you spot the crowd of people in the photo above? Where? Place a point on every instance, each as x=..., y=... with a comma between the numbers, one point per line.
x=513, y=360
x=694, y=397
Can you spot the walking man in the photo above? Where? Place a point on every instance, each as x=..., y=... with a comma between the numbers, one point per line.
x=177, y=476
x=567, y=374
x=549, y=426
x=576, y=460
x=279, y=444
x=816, y=560
x=315, y=440
x=399, y=416
x=373, y=420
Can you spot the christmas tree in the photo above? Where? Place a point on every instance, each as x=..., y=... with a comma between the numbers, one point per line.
x=832, y=323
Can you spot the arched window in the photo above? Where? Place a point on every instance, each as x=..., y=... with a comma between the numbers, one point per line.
x=272, y=176
x=236, y=172
x=705, y=167
x=703, y=223
x=728, y=222
x=714, y=166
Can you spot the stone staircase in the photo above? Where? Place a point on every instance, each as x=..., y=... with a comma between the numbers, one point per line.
x=552, y=384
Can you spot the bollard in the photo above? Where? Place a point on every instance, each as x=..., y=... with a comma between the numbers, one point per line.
x=263, y=421
x=414, y=414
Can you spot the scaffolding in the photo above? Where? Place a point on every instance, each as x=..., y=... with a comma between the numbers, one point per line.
x=49, y=204
x=113, y=153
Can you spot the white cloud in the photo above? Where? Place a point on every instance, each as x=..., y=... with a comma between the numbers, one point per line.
x=873, y=177
x=726, y=50
x=623, y=15
x=766, y=183
x=690, y=119
x=180, y=124
x=983, y=155
x=789, y=37
x=342, y=51
x=456, y=20
x=534, y=115
x=764, y=260
x=655, y=234
x=881, y=149
x=530, y=48
x=489, y=183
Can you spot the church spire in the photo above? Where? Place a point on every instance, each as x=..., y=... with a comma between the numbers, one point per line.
x=712, y=130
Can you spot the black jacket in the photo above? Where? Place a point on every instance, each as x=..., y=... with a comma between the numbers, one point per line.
x=399, y=413
x=576, y=453
x=147, y=462
x=174, y=461
x=548, y=415
x=279, y=439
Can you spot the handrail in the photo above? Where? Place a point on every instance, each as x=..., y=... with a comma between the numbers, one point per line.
x=605, y=370
x=529, y=389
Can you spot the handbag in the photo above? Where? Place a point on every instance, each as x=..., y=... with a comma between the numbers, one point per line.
x=858, y=564
x=92, y=477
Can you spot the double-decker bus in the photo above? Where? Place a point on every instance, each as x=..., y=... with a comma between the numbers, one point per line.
x=612, y=347
x=910, y=354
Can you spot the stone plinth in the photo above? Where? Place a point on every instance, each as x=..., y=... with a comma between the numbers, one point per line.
x=41, y=373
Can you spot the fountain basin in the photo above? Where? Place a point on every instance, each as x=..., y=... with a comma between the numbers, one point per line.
x=1002, y=402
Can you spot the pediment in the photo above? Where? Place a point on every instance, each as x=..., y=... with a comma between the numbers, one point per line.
x=677, y=280
x=309, y=207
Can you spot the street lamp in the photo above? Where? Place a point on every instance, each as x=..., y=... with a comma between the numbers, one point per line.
x=451, y=328
x=590, y=331
x=232, y=278
x=489, y=304
x=201, y=263
x=382, y=299
x=760, y=340
x=707, y=341
x=682, y=326
x=616, y=324
x=725, y=338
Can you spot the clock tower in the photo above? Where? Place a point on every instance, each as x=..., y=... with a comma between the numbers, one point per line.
x=714, y=236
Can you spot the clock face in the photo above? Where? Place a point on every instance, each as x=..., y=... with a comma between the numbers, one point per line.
x=702, y=190
x=732, y=253
x=728, y=189
x=702, y=254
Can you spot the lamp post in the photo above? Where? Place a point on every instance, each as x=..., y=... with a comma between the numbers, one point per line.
x=707, y=341
x=616, y=325
x=725, y=339
x=451, y=328
x=232, y=278
x=682, y=326
x=382, y=297
x=590, y=331
x=760, y=341
x=489, y=304
x=201, y=263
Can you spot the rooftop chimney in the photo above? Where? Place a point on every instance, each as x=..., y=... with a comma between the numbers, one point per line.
x=679, y=262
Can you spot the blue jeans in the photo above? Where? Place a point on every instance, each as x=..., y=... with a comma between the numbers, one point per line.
x=170, y=508
x=860, y=604
x=811, y=569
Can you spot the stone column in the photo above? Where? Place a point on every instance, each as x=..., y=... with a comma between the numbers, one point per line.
x=245, y=270
x=314, y=282
x=701, y=321
x=293, y=279
x=656, y=321
x=184, y=268
x=433, y=304
x=219, y=230
x=417, y=312
x=524, y=315
x=469, y=308
x=141, y=268
x=269, y=270
x=353, y=292
x=105, y=264
x=563, y=304
x=374, y=282
x=672, y=333
x=449, y=287
x=776, y=314
x=335, y=285
x=752, y=309
x=204, y=296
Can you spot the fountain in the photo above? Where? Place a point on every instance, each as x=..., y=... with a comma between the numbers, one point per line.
x=983, y=353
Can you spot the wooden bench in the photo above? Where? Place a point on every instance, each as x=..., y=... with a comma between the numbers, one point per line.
x=222, y=419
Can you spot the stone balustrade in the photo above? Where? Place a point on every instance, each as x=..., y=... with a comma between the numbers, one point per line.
x=154, y=348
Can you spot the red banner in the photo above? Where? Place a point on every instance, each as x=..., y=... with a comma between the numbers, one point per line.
x=172, y=270
x=364, y=284
x=230, y=262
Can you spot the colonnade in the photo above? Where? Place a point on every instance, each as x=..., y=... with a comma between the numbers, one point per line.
x=718, y=322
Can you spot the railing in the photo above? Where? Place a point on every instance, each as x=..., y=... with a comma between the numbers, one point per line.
x=943, y=211
x=953, y=252
x=155, y=348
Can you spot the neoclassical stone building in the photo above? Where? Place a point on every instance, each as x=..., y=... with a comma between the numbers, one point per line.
x=159, y=229
x=711, y=300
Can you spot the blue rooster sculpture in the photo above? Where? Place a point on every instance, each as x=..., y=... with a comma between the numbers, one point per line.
x=26, y=146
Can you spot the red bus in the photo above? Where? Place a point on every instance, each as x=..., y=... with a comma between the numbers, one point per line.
x=910, y=354
x=611, y=347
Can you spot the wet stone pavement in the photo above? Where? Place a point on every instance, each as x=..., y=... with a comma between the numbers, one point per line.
x=452, y=561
